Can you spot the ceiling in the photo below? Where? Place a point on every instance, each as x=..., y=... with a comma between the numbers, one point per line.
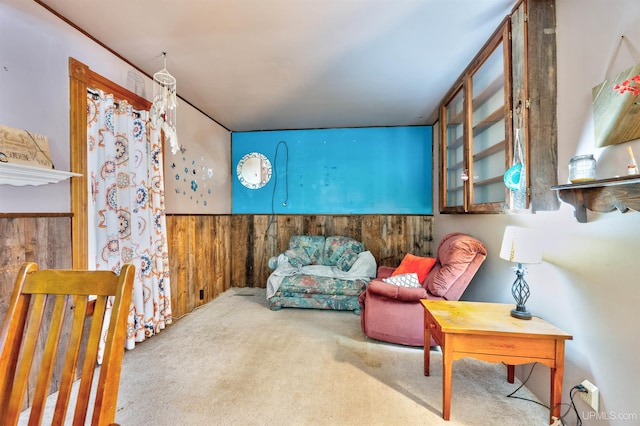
x=297, y=64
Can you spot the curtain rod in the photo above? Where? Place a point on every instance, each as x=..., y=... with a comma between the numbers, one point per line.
x=96, y=96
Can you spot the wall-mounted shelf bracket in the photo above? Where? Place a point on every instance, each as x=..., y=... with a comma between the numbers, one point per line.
x=601, y=196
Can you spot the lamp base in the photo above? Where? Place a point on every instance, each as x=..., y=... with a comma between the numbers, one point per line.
x=520, y=292
x=521, y=313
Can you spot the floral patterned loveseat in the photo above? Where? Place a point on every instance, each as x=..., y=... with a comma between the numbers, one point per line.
x=321, y=273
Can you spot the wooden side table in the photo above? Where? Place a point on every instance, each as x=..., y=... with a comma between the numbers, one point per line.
x=488, y=332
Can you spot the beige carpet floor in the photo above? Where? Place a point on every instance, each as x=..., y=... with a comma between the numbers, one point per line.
x=235, y=362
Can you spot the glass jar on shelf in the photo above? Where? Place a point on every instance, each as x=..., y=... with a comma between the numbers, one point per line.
x=582, y=168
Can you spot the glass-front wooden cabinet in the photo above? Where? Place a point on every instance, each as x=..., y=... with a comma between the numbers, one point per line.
x=476, y=132
x=504, y=101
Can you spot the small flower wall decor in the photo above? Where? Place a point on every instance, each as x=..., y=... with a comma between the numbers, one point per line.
x=630, y=85
x=192, y=180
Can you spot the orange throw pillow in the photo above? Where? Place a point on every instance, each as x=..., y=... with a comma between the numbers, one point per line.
x=417, y=264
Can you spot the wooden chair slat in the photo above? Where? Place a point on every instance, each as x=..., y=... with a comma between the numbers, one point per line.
x=48, y=360
x=13, y=331
x=90, y=359
x=71, y=360
x=110, y=371
x=30, y=341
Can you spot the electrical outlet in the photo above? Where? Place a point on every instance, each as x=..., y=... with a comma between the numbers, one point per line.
x=592, y=395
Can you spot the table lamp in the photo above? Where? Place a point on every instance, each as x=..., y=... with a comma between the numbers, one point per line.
x=520, y=245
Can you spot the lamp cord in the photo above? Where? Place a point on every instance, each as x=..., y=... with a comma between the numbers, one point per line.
x=512, y=394
x=563, y=416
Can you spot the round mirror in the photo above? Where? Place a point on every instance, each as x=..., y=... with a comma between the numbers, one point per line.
x=254, y=170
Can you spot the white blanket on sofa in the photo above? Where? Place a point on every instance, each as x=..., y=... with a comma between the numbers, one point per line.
x=363, y=268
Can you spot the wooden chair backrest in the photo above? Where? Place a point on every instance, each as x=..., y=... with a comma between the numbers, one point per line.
x=20, y=339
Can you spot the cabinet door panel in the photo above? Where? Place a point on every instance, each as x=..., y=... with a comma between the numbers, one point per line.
x=454, y=152
x=489, y=107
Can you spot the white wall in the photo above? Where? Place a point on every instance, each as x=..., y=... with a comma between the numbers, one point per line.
x=589, y=283
x=35, y=47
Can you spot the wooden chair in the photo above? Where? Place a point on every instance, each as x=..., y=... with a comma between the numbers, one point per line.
x=20, y=339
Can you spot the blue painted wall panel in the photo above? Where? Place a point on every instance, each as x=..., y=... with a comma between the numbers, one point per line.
x=377, y=170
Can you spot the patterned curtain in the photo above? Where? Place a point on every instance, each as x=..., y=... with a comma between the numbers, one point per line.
x=126, y=212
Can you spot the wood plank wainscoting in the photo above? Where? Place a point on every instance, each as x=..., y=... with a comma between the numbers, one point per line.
x=34, y=237
x=210, y=253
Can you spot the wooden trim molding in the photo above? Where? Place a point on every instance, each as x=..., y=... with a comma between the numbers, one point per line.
x=82, y=78
x=33, y=215
x=78, y=83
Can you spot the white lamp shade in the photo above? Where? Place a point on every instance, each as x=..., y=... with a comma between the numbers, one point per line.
x=521, y=245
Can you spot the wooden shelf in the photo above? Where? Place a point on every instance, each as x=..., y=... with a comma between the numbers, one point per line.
x=489, y=181
x=455, y=144
x=489, y=121
x=492, y=88
x=493, y=149
x=20, y=175
x=601, y=196
x=455, y=166
x=456, y=119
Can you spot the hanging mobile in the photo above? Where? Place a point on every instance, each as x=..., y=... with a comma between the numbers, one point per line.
x=163, y=110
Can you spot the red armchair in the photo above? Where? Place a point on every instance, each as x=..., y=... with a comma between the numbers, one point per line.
x=394, y=314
